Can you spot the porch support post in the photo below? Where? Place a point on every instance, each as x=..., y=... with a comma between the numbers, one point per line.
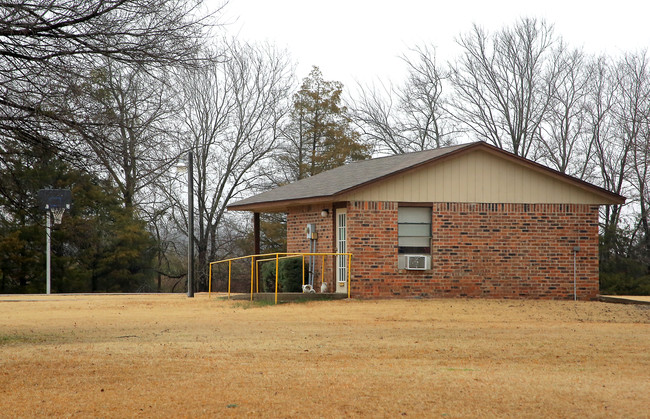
x=256, y=232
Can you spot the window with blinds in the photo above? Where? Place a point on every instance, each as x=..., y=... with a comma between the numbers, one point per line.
x=414, y=230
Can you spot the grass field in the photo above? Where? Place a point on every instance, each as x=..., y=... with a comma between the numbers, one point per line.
x=170, y=356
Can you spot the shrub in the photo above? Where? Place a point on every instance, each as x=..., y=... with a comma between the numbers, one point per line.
x=620, y=283
x=624, y=276
x=289, y=275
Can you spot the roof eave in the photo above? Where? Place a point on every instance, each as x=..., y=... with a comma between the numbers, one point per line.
x=281, y=205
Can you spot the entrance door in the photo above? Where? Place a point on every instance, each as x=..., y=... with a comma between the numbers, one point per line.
x=341, y=247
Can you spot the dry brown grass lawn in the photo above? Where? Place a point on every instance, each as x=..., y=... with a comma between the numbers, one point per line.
x=170, y=356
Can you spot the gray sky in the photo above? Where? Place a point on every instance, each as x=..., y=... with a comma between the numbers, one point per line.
x=361, y=40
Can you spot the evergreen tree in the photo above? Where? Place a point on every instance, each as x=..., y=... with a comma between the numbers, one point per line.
x=100, y=245
x=319, y=136
x=23, y=171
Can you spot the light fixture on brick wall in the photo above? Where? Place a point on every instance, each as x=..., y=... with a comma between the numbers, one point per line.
x=324, y=213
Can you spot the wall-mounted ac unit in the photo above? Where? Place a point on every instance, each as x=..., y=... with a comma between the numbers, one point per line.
x=414, y=262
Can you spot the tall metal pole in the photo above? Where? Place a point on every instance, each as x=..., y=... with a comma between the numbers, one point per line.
x=48, y=235
x=190, y=224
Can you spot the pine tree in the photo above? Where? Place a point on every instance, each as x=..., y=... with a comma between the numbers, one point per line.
x=319, y=136
x=100, y=246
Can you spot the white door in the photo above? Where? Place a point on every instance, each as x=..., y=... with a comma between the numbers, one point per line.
x=341, y=247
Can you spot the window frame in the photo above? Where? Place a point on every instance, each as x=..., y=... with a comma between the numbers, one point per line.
x=427, y=226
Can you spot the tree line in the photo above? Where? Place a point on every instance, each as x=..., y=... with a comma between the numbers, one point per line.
x=107, y=97
x=523, y=89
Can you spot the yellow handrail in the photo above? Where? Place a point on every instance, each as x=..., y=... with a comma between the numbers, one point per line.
x=255, y=259
x=277, y=265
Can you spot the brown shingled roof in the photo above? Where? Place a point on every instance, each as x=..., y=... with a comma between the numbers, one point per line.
x=327, y=185
x=344, y=178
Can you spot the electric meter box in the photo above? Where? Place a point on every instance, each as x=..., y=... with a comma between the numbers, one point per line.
x=311, y=231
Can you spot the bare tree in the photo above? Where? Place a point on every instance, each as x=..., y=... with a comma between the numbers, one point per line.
x=376, y=116
x=127, y=113
x=44, y=44
x=612, y=148
x=501, y=83
x=231, y=116
x=426, y=118
x=565, y=143
x=412, y=117
x=633, y=118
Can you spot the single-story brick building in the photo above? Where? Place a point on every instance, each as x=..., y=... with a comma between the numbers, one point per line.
x=467, y=220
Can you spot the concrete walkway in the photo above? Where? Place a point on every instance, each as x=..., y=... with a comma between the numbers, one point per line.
x=625, y=299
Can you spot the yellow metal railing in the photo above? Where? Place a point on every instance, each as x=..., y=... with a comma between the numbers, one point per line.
x=267, y=257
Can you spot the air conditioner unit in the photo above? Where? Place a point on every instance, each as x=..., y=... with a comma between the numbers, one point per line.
x=414, y=262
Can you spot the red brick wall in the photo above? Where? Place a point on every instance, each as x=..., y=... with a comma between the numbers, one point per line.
x=372, y=240
x=517, y=250
x=479, y=250
x=297, y=220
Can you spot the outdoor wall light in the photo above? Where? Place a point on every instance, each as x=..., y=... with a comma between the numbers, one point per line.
x=324, y=213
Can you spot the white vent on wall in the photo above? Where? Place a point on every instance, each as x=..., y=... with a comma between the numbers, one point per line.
x=414, y=262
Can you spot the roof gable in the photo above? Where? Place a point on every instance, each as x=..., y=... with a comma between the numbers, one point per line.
x=477, y=176
x=475, y=172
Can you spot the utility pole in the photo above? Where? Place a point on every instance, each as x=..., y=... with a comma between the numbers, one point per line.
x=190, y=224
x=48, y=247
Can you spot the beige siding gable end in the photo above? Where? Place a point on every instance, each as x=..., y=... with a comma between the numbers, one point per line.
x=476, y=176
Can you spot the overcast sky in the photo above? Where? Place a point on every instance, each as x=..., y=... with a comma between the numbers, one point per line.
x=361, y=40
